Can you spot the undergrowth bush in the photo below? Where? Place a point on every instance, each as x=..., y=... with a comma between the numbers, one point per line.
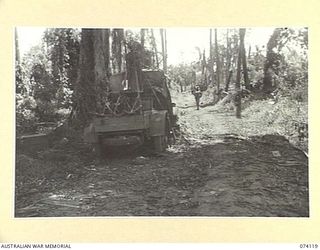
x=282, y=117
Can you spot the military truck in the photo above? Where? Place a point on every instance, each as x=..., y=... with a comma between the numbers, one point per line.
x=138, y=111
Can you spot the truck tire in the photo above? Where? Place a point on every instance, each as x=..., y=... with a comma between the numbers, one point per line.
x=98, y=149
x=160, y=143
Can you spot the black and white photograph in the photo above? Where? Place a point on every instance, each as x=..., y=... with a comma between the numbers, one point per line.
x=161, y=122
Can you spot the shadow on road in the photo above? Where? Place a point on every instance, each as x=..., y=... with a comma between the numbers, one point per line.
x=224, y=175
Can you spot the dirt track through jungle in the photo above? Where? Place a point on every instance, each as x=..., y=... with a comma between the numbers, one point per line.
x=210, y=172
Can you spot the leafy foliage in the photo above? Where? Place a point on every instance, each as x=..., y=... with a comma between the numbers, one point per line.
x=63, y=51
x=45, y=78
x=286, y=66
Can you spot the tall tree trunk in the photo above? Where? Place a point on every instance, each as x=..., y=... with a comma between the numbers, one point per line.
x=222, y=69
x=116, y=49
x=102, y=63
x=20, y=86
x=228, y=59
x=181, y=86
x=218, y=72
x=17, y=51
x=163, y=44
x=121, y=54
x=211, y=58
x=238, y=79
x=124, y=51
x=94, y=73
x=166, y=48
x=142, y=36
x=154, y=45
x=235, y=49
x=228, y=62
x=271, y=61
x=228, y=80
x=244, y=59
x=204, y=68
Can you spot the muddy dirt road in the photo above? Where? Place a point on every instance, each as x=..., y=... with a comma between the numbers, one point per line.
x=212, y=171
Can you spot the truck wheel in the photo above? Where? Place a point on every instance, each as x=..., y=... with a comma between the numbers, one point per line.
x=98, y=149
x=160, y=143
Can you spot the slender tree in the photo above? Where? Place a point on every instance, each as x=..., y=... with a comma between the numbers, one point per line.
x=204, y=68
x=244, y=60
x=228, y=62
x=272, y=60
x=142, y=37
x=17, y=52
x=117, y=50
x=211, y=58
x=238, y=79
x=218, y=72
x=234, y=48
x=228, y=59
x=164, y=49
x=20, y=86
x=230, y=73
x=154, y=46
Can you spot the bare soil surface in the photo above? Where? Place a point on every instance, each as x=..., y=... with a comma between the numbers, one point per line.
x=210, y=171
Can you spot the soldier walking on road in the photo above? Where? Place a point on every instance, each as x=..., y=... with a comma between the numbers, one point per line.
x=197, y=94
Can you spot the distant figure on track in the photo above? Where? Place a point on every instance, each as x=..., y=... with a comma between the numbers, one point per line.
x=196, y=91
